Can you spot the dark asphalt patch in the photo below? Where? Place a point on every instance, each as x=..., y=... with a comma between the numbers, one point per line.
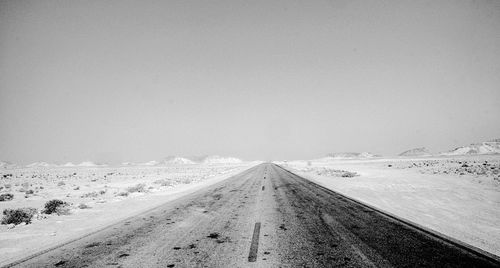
x=59, y=263
x=213, y=235
x=254, y=247
x=92, y=245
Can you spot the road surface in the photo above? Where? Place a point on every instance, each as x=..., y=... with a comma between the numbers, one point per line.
x=263, y=217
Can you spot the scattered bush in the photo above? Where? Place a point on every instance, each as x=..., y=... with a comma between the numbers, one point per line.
x=18, y=216
x=349, y=174
x=8, y=186
x=139, y=188
x=61, y=183
x=30, y=192
x=164, y=182
x=91, y=194
x=123, y=194
x=83, y=206
x=56, y=206
x=6, y=197
x=187, y=180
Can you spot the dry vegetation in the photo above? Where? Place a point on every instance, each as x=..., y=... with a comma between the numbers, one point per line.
x=33, y=193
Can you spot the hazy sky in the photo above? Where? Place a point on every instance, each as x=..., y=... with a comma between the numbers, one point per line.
x=139, y=80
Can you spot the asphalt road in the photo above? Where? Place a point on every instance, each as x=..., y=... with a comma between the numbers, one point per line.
x=263, y=217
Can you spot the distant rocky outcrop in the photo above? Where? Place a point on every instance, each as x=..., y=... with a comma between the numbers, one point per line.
x=215, y=159
x=177, y=160
x=40, y=164
x=150, y=163
x=487, y=147
x=422, y=151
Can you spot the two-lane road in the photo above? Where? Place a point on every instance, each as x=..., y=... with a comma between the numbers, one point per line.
x=263, y=217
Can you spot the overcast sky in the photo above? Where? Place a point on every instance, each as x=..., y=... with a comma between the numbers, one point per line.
x=115, y=81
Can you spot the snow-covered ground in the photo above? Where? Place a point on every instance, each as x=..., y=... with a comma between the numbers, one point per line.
x=457, y=196
x=111, y=194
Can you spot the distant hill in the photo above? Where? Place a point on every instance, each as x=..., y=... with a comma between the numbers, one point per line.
x=487, y=147
x=215, y=159
x=150, y=163
x=422, y=151
x=197, y=158
x=351, y=155
x=41, y=164
x=90, y=164
x=5, y=164
x=177, y=160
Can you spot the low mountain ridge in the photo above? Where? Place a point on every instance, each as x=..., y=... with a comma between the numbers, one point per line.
x=215, y=159
x=41, y=164
x=150, y=163
x=177, y=160
x=421, y=151
x=487, y=147
x=351, y=155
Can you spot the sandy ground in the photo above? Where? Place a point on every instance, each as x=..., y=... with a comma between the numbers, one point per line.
x=110, y=194
x=456, y=196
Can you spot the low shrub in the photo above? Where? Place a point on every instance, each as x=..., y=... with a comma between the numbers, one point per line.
x=18, y=216
x=56, y=206
x=164, y=182
x=122, y=194
x=83, y=206
x=139, y=188
x=89, y=195
x=61, y=183
x=187, y=180
x=6, y=197
x=349, y=174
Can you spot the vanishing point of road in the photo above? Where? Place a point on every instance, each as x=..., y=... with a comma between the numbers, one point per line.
x=265, y=216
